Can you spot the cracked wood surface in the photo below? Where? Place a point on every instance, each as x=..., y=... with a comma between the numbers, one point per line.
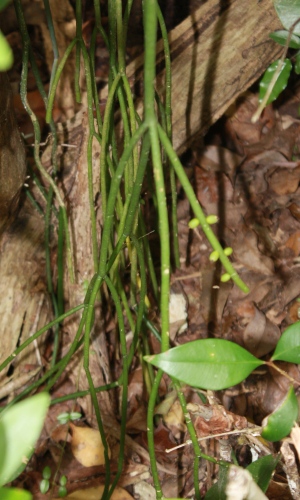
x=217, y=53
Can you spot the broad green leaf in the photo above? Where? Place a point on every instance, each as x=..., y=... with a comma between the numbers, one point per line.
x=262, y=470
x=278, y=424
x=217, y=491
x=280, y=83
x=281, y=37
x=297, y=64
x=6, y=54
x=288, y=12
x=14, y=494
x=20, y=427
x=288, y=347
x=213, y=364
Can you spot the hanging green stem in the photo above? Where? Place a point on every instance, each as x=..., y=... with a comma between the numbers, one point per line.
x=193, y=437
x=150, y=24
x=60, y=284
x=60, y=264
x=132, y=202
x=150, y=430
x=37, y=133
x=168, y=105
x=108, y=224
x=88, y=328
x=198, y=210
x=53, y=40
x=94, y=85
x=125, y=368
x=78, y=14
x=150, y=265
x=49, y=271
x=82, y=394
x=56, y=80
x=91, y=135
x=104, y=148
x=126, y=19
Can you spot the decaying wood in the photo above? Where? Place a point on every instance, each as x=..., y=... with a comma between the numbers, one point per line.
x=225, y=54
x=65, y=29
x=12, y=156
x=217, y=53
x=24, y=304
x=76, y=191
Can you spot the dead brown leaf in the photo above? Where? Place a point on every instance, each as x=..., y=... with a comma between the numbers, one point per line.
x=174, y=420
x=260, y=335
x=284, y=181
x=87, y=446
x=214, y=419
x=218, y=159
x=248, y=254
x=240, y=127
x=294, y=243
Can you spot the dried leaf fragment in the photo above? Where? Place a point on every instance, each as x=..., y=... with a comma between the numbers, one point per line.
x=87, y=446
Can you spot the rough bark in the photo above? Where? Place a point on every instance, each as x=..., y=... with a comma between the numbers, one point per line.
x=12, y=156
x=217, y=53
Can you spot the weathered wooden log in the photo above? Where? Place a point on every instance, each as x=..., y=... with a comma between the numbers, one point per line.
x=226, y=52
x=217, y=53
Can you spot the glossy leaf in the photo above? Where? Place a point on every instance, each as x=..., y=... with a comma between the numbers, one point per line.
x=262, y=470
x=213, y=364
x=288, y=12
x=280, y=83
x=20, y=427
x=278, y=424
x=288, y=347
x=281, y=37
x=14, y=494
x=297, y=64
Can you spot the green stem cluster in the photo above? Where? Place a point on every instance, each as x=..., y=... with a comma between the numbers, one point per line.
x=144, y=152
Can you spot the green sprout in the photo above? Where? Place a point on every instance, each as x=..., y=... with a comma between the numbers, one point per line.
x=225, y=277
x=228, y=251
x=193, y=223
x=214, y=256
x=212, y=219
x=66, y=417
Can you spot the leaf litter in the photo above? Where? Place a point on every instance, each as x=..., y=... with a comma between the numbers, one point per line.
x=255, y=193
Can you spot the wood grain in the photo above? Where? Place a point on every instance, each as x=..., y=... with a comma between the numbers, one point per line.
x=217, y=53
x=12, y=156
